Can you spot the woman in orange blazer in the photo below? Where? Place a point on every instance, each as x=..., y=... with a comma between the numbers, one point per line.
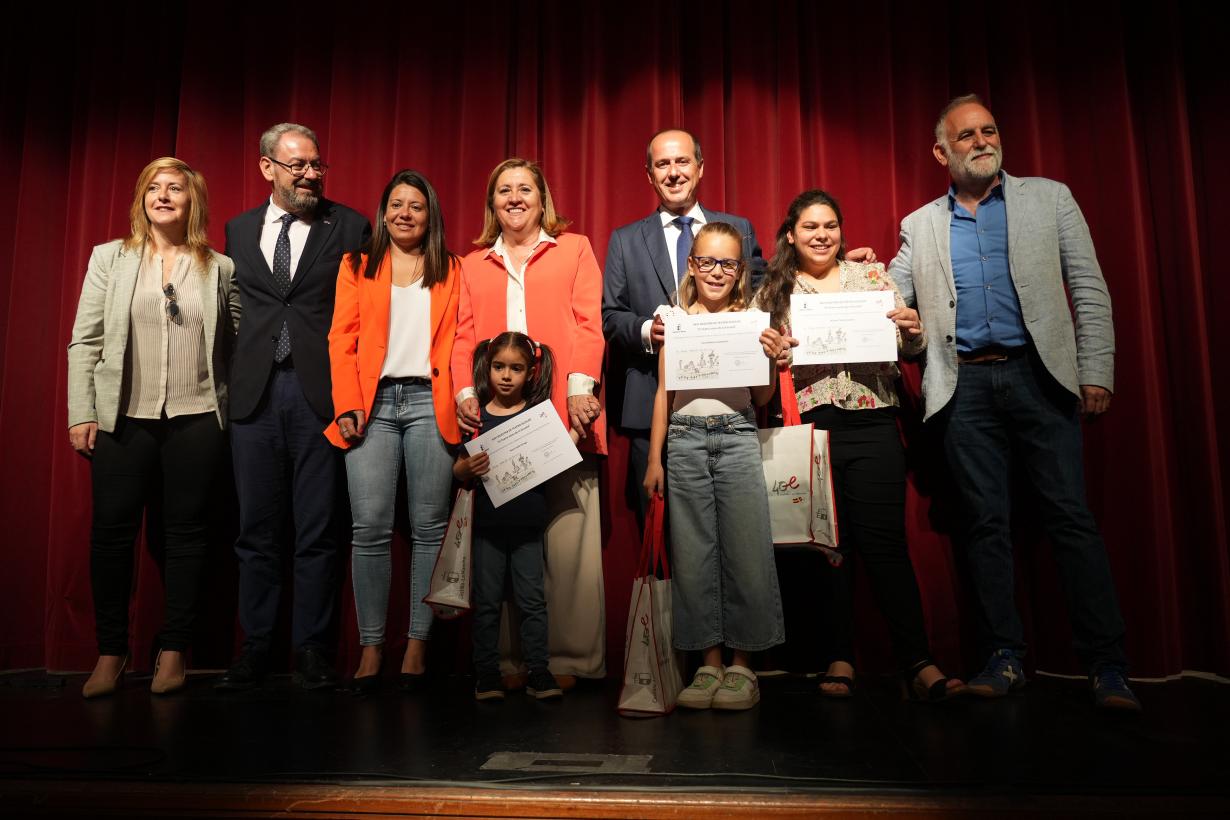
x=394, y=321
x=530, y=276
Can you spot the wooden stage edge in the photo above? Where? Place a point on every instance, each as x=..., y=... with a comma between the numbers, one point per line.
x=79, y=799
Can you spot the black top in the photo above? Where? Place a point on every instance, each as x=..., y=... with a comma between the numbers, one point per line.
x=526, y=510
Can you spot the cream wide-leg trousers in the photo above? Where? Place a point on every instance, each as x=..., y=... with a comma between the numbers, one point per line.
x=576, y=605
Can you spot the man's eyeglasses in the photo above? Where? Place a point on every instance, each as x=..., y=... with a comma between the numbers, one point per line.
x=172, y=307
x=704, y=264
x=298, y=169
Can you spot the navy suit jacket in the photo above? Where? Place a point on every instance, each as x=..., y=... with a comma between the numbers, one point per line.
x=307, y=308
x=639, y=277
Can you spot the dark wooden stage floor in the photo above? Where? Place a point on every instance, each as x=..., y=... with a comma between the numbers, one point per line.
x=286, y=753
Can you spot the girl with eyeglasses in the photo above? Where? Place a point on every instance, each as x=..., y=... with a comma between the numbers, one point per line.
x=725, y=591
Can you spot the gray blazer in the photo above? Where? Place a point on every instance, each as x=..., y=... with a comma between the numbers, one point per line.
x=100, y=334
x=1049, y=248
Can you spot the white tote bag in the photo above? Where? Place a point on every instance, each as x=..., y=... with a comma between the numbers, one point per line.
x=449, y=592
x=652, y=674
x=799, y=479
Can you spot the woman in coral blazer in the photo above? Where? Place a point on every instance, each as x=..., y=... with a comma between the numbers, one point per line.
x=394, y=321
x=528, y=275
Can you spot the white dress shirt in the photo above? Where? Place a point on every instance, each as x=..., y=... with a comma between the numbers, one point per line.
x=670, y=232
x=270, y=229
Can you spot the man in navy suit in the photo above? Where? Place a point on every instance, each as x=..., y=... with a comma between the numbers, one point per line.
x=644, y=263
x=286, y=253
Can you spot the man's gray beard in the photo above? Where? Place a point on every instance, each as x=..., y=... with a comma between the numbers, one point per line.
x=968, y=170
x=300, y=200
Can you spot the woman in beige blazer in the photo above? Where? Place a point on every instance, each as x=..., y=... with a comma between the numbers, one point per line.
x=147, y=405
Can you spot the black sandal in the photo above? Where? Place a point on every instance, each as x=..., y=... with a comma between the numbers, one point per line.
x=913, y=689
x=840, y=680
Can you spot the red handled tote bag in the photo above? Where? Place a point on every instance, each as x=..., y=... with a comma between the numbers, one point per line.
x=652, y=676
x=798, y=478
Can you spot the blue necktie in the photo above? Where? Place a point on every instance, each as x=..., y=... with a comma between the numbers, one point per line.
x=683, y=246
x=281, y=275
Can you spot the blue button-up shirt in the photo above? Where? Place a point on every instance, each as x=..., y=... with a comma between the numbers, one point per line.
x=988, y=311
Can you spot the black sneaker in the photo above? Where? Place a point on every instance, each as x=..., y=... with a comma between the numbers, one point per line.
x=488, y=686
x=247, y=672
x=542, y=685
x=313, y=670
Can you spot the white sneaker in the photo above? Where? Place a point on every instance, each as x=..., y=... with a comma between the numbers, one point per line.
x=699, y=695
x=739, y=689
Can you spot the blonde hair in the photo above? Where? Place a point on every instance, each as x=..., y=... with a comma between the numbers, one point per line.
x=738, y=293
x=198, y=208
x=551, y=222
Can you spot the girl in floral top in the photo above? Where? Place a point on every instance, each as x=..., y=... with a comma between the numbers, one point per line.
x=857, y=404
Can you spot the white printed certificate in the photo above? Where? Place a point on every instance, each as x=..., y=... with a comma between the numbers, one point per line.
x=715, y=350
x=524, y=452
x=839, y=328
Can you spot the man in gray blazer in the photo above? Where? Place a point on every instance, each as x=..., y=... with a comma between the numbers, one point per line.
x=1008, y=374
x=644, y=263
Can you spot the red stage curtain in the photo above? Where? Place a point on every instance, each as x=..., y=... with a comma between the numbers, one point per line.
x=1125, y=108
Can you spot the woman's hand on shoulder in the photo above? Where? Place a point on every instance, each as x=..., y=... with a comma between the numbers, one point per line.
x=865, y=255
x=82, y=437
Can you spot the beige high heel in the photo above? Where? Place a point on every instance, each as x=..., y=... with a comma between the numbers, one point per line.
x=104, y=686
x=170, y=685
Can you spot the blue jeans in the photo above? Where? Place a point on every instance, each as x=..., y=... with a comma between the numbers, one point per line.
x=725, y=579
x=501, y=555
x=402, y=430
x=1014, y=409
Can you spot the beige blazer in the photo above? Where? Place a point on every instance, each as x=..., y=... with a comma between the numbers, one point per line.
x=100, y=333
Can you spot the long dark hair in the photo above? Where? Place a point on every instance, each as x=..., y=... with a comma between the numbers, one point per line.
x=436, y=255
x=538, y=359
x=778, y=284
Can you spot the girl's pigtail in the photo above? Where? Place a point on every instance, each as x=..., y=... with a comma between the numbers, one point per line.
x=482, y=371
x=538, y=389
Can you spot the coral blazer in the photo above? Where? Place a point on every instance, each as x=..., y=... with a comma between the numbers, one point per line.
x=563, y=310
x=359, y=338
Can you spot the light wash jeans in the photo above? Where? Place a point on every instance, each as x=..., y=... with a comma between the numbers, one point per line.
x=402, y=429
x=725, y=578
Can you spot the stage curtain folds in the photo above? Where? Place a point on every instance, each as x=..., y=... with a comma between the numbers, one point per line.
x=1128, y=110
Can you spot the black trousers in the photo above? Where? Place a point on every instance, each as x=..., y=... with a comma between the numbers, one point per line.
x=868, y=464
x=283, y=462
x=179, y=456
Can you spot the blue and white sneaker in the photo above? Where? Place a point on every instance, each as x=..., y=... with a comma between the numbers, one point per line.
x=1110, y=690
x=1001, y=675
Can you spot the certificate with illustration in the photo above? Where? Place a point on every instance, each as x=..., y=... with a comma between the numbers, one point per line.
x=715, y=350
x=524, y=452
x=840, y=328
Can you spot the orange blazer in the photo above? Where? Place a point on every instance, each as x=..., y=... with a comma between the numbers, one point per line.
x=563, y=310
x=360, y=334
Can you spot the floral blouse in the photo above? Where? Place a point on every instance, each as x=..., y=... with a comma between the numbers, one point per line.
x=859, y=385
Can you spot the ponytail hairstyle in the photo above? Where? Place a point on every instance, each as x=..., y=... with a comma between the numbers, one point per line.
x=741, y=292
x=538, y=359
